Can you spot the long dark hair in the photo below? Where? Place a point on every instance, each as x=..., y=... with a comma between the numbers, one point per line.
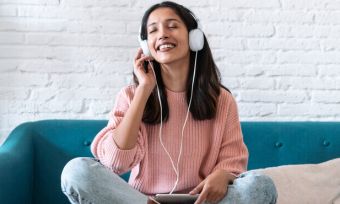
x=207, y=83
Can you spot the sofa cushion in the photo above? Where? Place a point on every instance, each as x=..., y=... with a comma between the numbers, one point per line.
x=307, y=183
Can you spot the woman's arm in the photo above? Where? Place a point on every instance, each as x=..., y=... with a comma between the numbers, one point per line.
x=126, y=133
x=121, y=145
x=233, y=153
x=104, y=146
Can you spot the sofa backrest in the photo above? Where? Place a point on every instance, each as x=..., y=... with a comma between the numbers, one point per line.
x=56, y=142
x=281, y=143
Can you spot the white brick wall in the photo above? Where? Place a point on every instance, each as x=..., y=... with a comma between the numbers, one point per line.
x=68, y=58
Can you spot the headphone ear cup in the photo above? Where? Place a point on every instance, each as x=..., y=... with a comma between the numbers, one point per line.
x=196, y=40
x=145, y=48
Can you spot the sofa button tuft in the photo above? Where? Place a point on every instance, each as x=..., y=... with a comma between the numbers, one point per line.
x=278, y=144
x=326, y=143
x=86, y=143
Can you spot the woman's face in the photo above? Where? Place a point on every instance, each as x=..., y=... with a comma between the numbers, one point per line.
x=167, y=36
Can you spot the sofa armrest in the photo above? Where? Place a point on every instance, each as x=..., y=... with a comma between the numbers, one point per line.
x=16, y=166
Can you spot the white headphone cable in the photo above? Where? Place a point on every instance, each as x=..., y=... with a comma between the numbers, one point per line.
x=185, y=121
x=161, y=125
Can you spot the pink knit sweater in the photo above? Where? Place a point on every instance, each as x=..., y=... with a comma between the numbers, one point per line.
x=207, y=145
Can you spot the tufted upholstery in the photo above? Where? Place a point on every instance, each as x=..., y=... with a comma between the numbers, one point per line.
x=32, y=158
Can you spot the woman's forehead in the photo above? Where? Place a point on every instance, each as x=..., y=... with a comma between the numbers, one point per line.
x=163, y=14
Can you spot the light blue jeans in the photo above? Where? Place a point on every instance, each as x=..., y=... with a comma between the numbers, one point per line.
x=85, y=180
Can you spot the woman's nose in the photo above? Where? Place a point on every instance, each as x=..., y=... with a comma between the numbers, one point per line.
x=163, y=37
x=163, y=33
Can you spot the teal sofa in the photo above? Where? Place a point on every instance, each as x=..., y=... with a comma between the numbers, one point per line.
x=32, y=158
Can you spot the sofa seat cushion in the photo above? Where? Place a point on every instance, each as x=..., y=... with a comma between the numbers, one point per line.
x=307, y=183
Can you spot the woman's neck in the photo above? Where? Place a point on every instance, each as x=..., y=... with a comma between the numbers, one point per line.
x=175, y=75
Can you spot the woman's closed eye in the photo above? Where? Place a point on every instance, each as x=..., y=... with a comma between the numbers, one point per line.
x=172, y=26
x=152, y=30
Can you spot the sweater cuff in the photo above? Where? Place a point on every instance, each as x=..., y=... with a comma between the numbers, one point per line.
x=232, y=171
x=121, y=160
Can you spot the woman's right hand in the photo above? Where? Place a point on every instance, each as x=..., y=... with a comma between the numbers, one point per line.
x=145, y=80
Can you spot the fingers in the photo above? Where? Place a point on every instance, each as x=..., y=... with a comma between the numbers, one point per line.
x=140, y=57
x=198, y=189
x=208, y=193
x=138, y=54
x=209, y=197
x=139, y=63
x=202, y=197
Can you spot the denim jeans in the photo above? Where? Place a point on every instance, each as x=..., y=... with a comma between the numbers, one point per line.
x=85, y=180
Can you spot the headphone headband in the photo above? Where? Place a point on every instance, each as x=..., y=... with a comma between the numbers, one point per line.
x=196, y=37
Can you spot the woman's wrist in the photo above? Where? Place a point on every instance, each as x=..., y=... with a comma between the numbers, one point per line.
x=229, y=177
x=144, y=88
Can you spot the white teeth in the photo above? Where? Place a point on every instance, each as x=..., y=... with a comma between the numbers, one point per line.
x=166, y=46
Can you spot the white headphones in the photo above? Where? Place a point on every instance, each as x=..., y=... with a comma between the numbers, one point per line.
x=196, y=39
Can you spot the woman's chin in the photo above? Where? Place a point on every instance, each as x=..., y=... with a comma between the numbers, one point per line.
x=164, y=60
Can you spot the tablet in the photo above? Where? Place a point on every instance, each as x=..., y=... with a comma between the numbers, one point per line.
x=176, y=198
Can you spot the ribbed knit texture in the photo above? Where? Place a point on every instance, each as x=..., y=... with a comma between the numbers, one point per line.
x=207, y=145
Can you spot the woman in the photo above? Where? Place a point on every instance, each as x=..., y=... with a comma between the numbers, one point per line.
x=177, y=134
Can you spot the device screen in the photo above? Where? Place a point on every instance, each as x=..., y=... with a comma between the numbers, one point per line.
x=176, y=198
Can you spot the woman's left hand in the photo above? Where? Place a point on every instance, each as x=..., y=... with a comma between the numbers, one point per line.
x=214, y=187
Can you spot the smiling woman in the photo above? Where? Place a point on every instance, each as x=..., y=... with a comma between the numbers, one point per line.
x=176, y=128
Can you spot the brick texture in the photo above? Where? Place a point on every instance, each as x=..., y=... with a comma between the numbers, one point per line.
x=68, y=58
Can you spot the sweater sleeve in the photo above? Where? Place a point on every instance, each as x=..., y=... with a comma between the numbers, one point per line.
x=233, y=154
x=104, y=147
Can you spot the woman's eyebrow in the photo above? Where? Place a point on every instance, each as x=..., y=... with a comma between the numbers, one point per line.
x=167, y=20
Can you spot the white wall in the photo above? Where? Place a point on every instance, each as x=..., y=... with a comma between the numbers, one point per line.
x=68, y=58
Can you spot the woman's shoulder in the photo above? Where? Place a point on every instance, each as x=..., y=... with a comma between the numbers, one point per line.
x=130, y=88
x=127, y=91
x=226, y=100
x=225, y=94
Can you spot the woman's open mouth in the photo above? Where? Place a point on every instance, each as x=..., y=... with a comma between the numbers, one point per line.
x=166, y=47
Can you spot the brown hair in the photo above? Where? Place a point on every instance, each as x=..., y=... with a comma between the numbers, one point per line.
x=207, y=83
